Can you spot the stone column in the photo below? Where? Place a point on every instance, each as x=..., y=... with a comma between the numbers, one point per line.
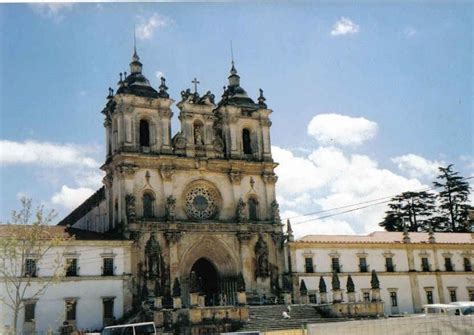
x=245, y=256
x=323, y=296
x=172, y=238
x=336, y=296
x=375, y=293
x=265, y=126
x=351, y=296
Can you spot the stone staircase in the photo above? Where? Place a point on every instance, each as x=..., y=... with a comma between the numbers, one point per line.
x=270, y=317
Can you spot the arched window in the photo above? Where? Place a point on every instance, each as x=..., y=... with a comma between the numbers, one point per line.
x=144, y=133
x=246, y=142
x=253, y=209
x=148, y=204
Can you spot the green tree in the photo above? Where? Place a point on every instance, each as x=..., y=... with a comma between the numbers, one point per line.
x=24, y=242
x=453, y=200
x=415, y=209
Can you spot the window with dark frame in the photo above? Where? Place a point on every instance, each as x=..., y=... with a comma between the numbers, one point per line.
x=30, y=307
x=429, y=296
x=71, y=267
x=108, y=266
x=148, y=201
x=71, y=305
x=393, y=299
x=308, y=265
x=448, y=265
x=30, y=267
x=336, y=267
x=363, y=264
x=144, y=133
x=253, y=205
x=425, y=265
x=471, y=295
x=452, y=295
x=389, y=264
x=108, y=308
x=246, y=142
x=467, y=264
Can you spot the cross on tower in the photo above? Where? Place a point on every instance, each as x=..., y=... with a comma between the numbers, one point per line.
x=195, y=82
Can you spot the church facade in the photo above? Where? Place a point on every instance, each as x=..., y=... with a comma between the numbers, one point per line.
x=200, y=206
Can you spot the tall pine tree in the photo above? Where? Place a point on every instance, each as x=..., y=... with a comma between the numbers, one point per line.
x=453, y=200
x=415, y=209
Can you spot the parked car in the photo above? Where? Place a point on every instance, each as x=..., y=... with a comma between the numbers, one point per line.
x=144, y=328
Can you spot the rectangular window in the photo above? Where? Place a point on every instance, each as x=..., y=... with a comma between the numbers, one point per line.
x=108, y=308
x=393, y=299
x=71, y=267
x=30, y=267
x=312, y=299
x=467, y=264
x=389, y=264
x=471, y=295
x=30, y=311
x=336, y=267
x=366, y=296
x=363, y=264
x=429, y=297
x=452, y=295
x=108, y=267
x=425, y=265
x=448, y=264
x=308, y=263
x=71, y=305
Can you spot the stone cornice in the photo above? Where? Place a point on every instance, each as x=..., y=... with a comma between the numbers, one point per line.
x=149, y=161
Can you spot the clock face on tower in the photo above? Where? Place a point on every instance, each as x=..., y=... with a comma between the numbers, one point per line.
x=202, y=202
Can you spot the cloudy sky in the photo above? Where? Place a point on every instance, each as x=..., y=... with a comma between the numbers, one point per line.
x=368, y=99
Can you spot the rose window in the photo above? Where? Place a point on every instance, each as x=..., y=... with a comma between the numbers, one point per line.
x=201, y=202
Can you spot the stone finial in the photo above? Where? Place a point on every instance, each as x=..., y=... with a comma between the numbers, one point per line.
x=303, y=289
x=163, y=93
x=350, y=284
x=335, y=282
x=261, y=99
x=374, y=280
x=111, y=93
x=431, y=236
x=322, y=285
x=240, y=283
x=176, y=288
x=406, y=236
x=289, y=231
x=120, y=82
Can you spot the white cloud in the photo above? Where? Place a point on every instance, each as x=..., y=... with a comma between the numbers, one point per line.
x=147, y=26
x=417, y=166
x=45, y=154
x=53, y=10
x=344, y=26
x=329, y=178
x=70, y=198
x=341, y=129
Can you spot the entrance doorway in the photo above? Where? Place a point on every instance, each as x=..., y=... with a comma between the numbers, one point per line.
x=208, y=279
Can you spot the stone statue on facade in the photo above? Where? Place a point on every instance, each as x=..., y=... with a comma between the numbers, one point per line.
x=240, y=211
x=170, y=208
x=153, y=257
x=130, y=207
x=275, y=212
x=198, y=135
x=261, y=255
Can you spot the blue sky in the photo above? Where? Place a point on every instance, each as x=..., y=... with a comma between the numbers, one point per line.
x=392, y=85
